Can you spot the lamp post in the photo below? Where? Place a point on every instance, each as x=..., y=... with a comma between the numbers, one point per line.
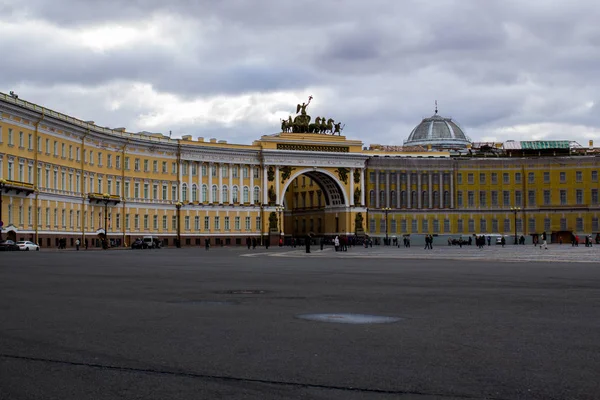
x=2, y=183
x=178, y=205
x=386, y=210
x=280, y=217
x=105, y=200
x=515, y=210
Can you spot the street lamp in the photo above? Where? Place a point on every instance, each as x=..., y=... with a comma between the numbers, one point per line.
x=280, y=217
x=105, y=200
x=386, y=210
x=2, y=183
x=178, y=205
x=515, y=210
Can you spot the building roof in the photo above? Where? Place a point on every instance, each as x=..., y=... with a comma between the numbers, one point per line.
x=438, y=132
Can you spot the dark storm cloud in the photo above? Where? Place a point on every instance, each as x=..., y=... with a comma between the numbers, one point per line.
x=491, y=64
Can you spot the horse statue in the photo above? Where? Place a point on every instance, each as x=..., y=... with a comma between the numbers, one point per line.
x=328, y=126
x=314, y=127
x=287, y=124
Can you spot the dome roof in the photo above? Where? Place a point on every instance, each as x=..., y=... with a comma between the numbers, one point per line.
x=439, y=133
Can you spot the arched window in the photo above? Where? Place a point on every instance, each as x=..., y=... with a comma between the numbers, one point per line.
x=436, y=200
x=414, y=201
x=446, y=199
x=246, y=195
x=382, y=199
x=204, y=193
x=194, y=193
x=224, y=194
x=424, y=199
x=184, y=192
x=214, y=191
x=372, y=198
x=402, y=199
x=256, y=194
x=393, y=199
x=235, y=194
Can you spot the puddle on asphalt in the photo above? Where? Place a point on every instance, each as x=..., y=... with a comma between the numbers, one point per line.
x=349, y=318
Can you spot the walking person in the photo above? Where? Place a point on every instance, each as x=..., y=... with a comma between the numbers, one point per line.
x=77, y=242
x=544, y=243
x=206, y=244
x=336, y=243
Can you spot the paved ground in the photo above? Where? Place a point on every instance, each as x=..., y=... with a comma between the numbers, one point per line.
x=165, y=324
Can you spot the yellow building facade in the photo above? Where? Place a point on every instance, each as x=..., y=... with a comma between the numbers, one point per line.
x=62, y=177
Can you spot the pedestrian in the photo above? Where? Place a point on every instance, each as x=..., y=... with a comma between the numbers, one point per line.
x=544, y=243
x=206, y=244
x=253, y=243
x=248, y=242
x=336, y=243
x=503, y=241
x=77, y=244
x=322, y=242
x=489, y=240
x=307, y=239
x=85, y=242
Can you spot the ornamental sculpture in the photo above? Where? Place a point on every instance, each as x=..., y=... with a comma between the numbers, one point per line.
x=343, y=174
x=301, y=123
x=285, y=173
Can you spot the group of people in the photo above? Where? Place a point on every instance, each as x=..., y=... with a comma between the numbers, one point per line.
x=428, y=242
x=340, y=244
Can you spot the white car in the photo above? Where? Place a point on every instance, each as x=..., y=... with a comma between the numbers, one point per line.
x=27, y=245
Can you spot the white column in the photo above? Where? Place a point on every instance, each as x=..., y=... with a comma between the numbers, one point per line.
x=419, y=197
x=441, y=189
x=430, y=189
x=220, y=188
x=251, y=194
x=199, y=169
x=241, y=186
x=189, y=182
x=278, y=198
x=362, y=187
x=230, y=183
x=451, y=189
x=210, y=184
x=376, y=188
x=180, y=179
x=265, y=183
x=387, y=188
x=351, y=187
x=408, y=190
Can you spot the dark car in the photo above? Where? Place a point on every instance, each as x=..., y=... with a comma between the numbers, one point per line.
x=139, y=244
x=8, y=245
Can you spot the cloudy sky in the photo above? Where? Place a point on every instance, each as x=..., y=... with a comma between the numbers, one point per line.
x=230, y=69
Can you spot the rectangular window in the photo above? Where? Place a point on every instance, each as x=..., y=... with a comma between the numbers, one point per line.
x=21, y=140
x=109, y=160
x=244, y=172
x=174, y=168
x=146, y=224
x=10, y=137
x=164, y=192
x=217, y=224
x=256, y=172
x=470, y=179
x=517, y=177
x=99, y=159
x=145, y=165
x=155, y=166
x=482, y=225
x=578, y=176
x=174, y=222
x=531, y=198
x=594, y=176
x=393, y=225
x=547, y=224
x=164, y=223
x=196, y=223
x=459, y=179
x=530, y=177
x=237, y=223
x=372, y=225
x=482, y=199
x=425, y=225
x=403, y=226
x=563, y=177
x=547, y=197
x=258, y=223
x=126, y=163
x=207, y=223
x=136, y=190
x=459, y=225
x=118, y=221
x=471, y=225
x=531, y=225
x=136, y=164
x=494, y=178
x=563, y=224
x=118, y=188
x=494, y=198
x=482, y=178
x=579, y=196
x=546, y=177
x=234, y=172
x=446, y=226
x=506, y=198
x=495, y=225
x=563, y=197
x=595, y=224
x=146, y=190
x=248, y=223
x=164, y=167
x=30, y=142
x=186, y=222
x=518, y=198
x=459, y=199
x=136, y=221
x=154, y=192
x=227, y=227
x=126, y=187
x=470, y=198
x=594, y=197
x=506, y=178
x=506, y=225
x=118, y=162
x=173, y=192
x=414, y=226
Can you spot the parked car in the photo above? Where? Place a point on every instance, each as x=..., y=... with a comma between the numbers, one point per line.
x=152, y=242
x=8, y=245
x=139, y=244
x=26, y=245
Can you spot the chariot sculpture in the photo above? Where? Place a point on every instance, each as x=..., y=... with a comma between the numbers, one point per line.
x=301, y=123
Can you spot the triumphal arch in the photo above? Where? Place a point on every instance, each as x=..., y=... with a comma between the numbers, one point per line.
x=313, y=178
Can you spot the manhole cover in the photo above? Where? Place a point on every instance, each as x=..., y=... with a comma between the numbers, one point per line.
x=350, y=318
x=244, y=291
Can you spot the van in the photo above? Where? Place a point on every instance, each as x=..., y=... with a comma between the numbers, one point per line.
x=152, y=242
